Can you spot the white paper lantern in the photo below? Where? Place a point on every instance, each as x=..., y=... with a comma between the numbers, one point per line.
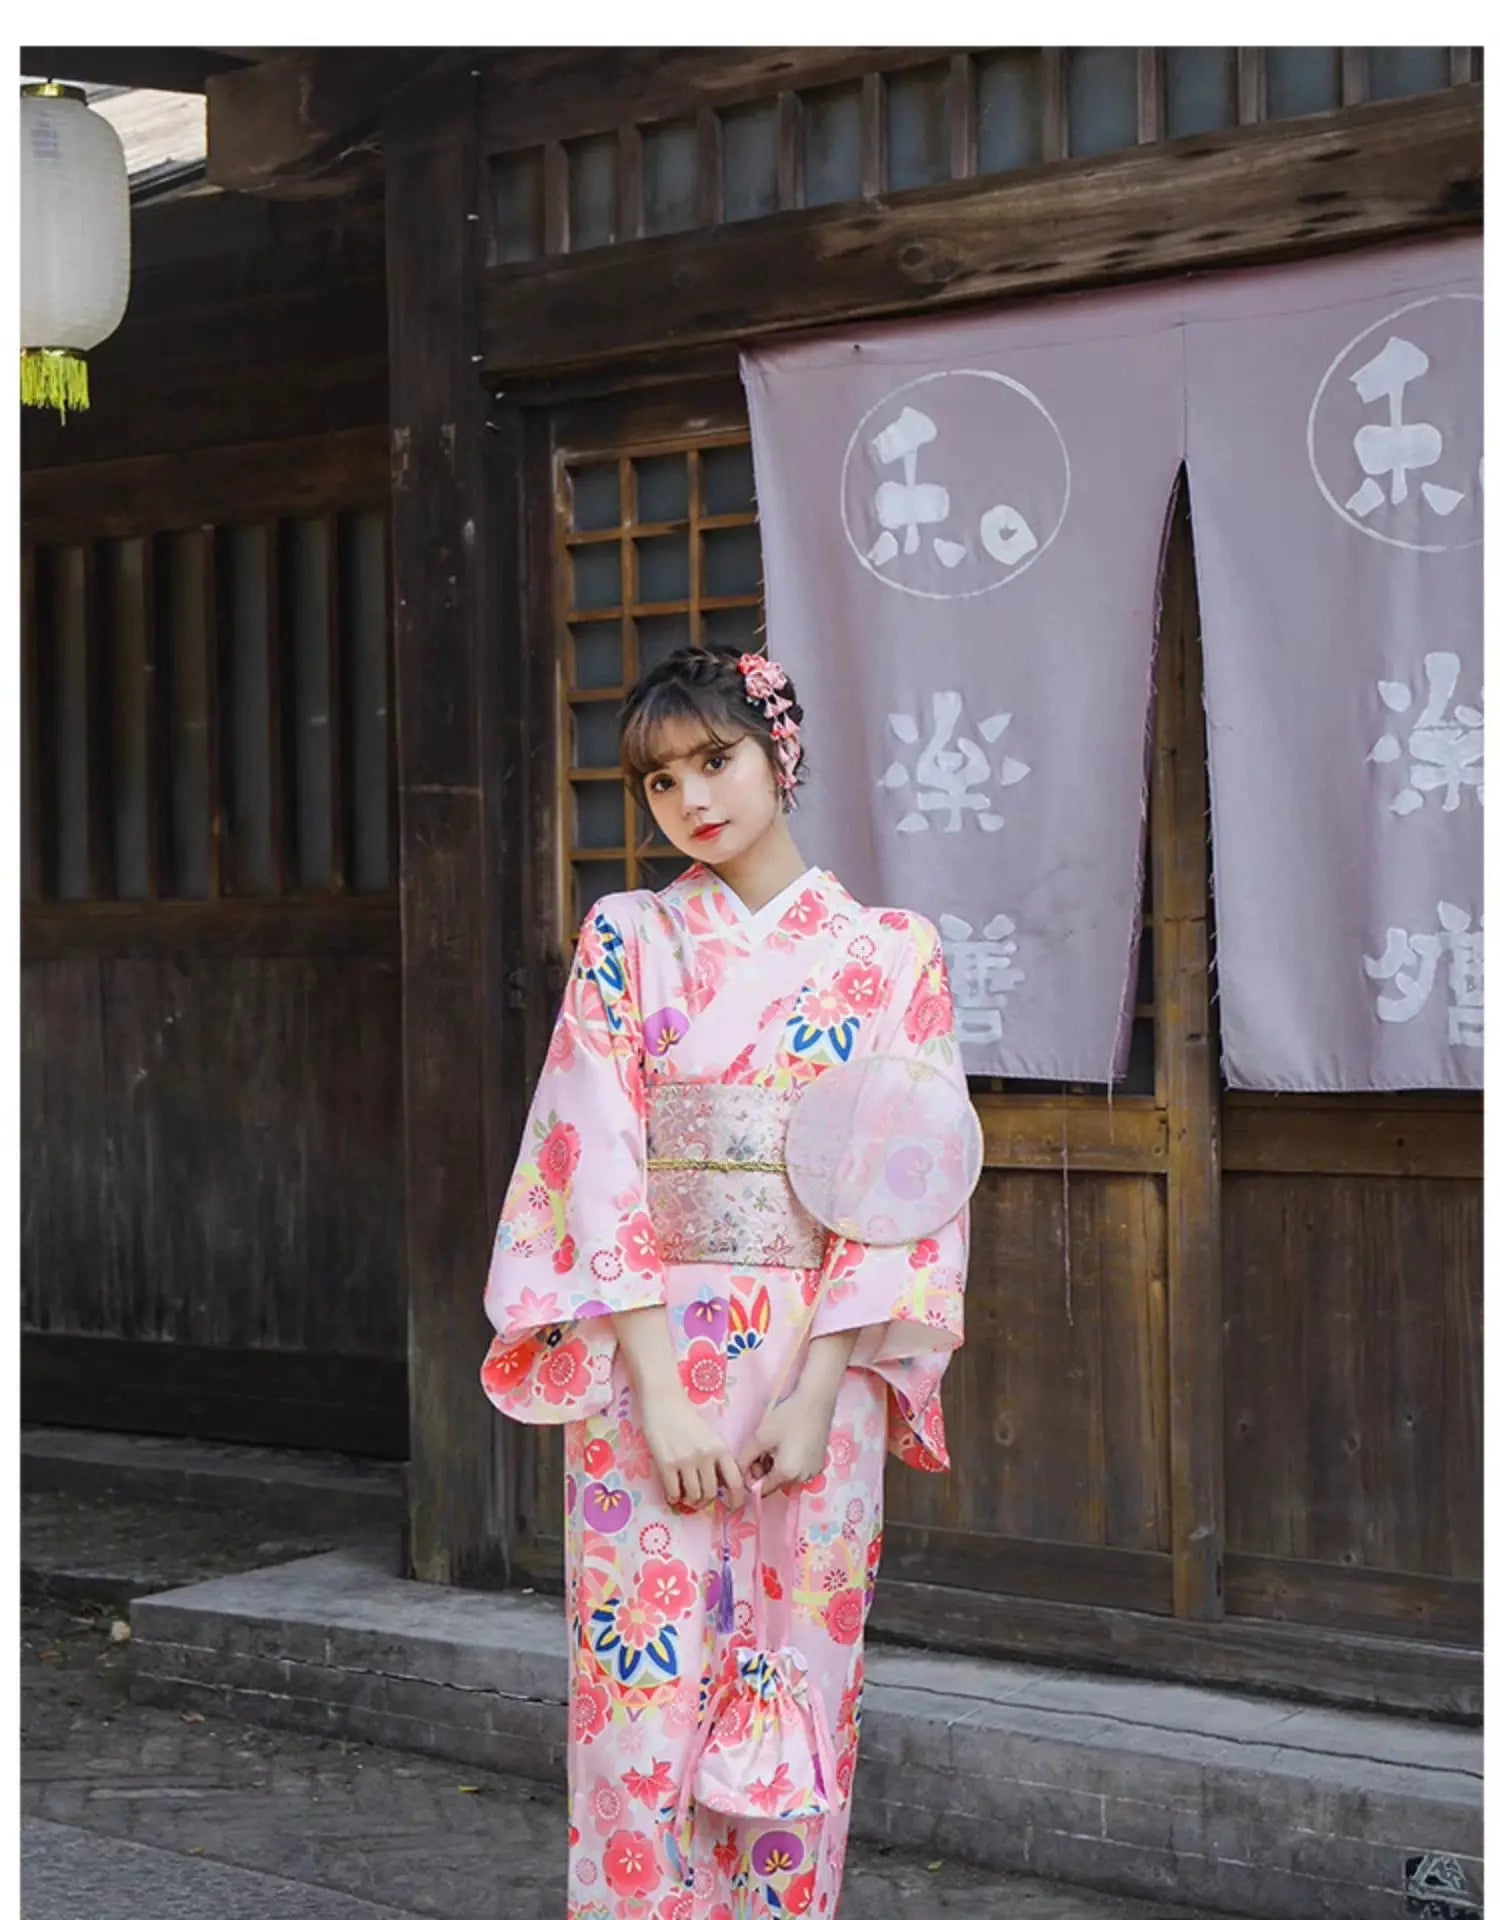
x=75, y=242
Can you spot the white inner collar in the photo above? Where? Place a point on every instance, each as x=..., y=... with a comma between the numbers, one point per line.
x=771, y=912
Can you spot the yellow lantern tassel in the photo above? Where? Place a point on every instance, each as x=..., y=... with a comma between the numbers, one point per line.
x=54, y=377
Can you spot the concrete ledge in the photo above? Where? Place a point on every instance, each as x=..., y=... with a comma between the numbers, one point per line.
x=269, y=1485
x=1211, y=1799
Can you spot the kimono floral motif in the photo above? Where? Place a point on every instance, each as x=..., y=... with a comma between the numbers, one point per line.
x=676, y=990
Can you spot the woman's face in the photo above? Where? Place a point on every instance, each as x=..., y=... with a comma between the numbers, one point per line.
x=712, y=800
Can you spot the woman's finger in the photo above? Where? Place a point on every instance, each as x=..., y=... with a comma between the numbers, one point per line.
x=729, y=1472
x=671, y=1486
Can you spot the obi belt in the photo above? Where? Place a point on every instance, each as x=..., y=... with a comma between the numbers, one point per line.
x=716, y=1178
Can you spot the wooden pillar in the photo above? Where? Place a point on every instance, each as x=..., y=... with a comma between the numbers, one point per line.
x=445, y=567
x=1189, y=1056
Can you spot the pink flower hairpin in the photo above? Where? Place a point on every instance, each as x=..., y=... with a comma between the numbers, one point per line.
x=764, y=682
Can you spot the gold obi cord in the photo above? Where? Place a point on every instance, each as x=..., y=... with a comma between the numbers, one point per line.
x=716, y=1180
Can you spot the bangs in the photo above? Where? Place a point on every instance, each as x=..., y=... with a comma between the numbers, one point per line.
x=640, y=739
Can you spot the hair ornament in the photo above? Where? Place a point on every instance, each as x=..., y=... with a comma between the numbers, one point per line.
x=765, y=680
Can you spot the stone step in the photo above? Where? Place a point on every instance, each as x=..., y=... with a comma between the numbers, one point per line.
x=1207, y=1799
x=269, y=1486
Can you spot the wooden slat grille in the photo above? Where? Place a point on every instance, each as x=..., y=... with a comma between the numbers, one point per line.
x=1120, y=97
x=191, y=700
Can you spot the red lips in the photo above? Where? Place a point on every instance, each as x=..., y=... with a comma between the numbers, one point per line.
x=707, y=833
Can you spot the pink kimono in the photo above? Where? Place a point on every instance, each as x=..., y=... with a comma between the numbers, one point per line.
x=679, y=996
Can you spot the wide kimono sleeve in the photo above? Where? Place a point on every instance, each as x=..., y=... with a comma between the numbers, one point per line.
x=907, y=1300
x=575, y=1243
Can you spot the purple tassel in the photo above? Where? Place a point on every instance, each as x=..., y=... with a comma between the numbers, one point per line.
x=724, y=1610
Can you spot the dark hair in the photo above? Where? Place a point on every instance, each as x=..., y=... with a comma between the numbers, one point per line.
x=694, y=683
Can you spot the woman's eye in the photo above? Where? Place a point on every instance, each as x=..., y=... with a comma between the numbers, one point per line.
x=716, y=760
x=660, y=784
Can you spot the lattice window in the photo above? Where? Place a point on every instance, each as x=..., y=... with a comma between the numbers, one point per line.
x=658, y=546
x=915, y=126
x=206, y=713
x=658, y=549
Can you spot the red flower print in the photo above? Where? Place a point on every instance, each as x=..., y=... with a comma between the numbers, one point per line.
x=669, y=1586
x=807, y=914
x=630, y=1863
x=900, y=921
x=923, y=1254
x=705, y=1372
x=598, y=1457
x=845, y=1771
x=768, y=1795
x=638, y=1243
x=649, y=1787
x=676, y=1906
x=566, y=1256
x=608, y=1806
x=846, y=1615
x=770, y=1579
x=560, y=1050
x=842, y=1451
x=605, y=1265
x=861, y=987
x=799, y=1895
x=739, y=1068
x=655, y=1538
x=726, y=1857
x=850, y=1255
x=590, y=1711
x=559, y=1156
x=507, y=1362
x=564, y=1372
x=633, y=1454
x=929, y=1016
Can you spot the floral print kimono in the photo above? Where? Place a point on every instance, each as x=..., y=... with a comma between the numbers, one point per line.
x=687, y=986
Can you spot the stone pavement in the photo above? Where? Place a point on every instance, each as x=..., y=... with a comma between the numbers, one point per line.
x=142, y=1813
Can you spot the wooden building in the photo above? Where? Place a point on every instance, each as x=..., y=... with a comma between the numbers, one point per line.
x=307, y=834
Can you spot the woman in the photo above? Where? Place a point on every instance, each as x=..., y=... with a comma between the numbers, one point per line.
x=654, y=1304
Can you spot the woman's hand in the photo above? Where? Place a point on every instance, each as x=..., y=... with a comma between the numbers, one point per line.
x=690, y=1455
x=791, y=1443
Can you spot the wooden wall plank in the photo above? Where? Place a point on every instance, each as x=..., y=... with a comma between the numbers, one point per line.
x=1054, y=1405
x=291, y=1234
x=1188, y=1074
x=1352, y=1363
x=1402, y=167
x=346, y=1403
x=1290, y=1136
x=228, y=928
x=245, y=324
x=157, y=492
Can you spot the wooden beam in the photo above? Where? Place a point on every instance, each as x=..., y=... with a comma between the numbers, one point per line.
x=1088, y=1135
x=1288, y=1136
x=446, y=612
x=158, y=493
x=167, y=69
x=1269, y=192
x=1297, y=1662
x=1188, y=1079
x=226, y=929
x=308, y=123
x=534, y=94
